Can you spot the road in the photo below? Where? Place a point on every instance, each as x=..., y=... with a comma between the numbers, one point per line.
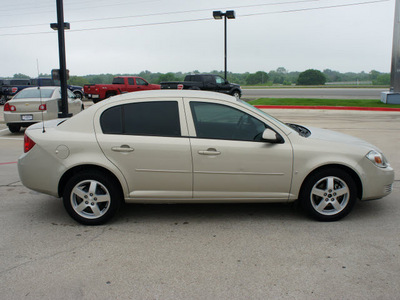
x=231, y=251
x=320, y=93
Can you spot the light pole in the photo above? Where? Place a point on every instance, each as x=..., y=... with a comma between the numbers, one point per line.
x=60, y=26
x=230, y=14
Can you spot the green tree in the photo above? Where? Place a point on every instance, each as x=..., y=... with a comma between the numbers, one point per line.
x=167, y=77
x=374, y=75
x=311, y=77
x=78, y=80
x=259, y=77
x=382, y=79
x=21, y=76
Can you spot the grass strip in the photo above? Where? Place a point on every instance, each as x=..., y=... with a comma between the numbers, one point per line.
x=322, y=102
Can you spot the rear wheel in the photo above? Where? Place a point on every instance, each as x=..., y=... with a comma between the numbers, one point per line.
x=110, y=94
x=14, y=128
x=91, y=198
x=329, y=195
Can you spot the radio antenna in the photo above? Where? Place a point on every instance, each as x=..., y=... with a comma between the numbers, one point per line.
x=40, y=93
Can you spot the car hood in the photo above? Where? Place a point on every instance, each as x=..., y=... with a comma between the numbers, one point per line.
x=337, y=137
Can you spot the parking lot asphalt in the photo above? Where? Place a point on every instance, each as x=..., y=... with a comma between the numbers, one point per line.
x=230, y=251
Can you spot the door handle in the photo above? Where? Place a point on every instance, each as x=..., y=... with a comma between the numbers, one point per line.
x=122, y=148
x=209, y=151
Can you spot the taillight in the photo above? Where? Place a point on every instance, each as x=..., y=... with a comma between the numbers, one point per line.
x=14, y=90
x=28, y=143
x=42, y=107
x=180, y=86
x=8, y=107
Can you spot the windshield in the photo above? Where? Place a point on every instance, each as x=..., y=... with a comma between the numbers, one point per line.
x=266, y=115
x=34, y=93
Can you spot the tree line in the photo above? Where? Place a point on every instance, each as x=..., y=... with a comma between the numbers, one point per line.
x=280, y=76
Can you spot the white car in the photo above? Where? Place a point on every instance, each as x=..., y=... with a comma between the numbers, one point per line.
x=37, y=104
x=194, y=146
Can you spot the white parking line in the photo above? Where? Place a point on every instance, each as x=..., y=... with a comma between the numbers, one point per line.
x=8, y=138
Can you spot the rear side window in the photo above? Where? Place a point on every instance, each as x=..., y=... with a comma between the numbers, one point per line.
x=118, y=80
x=159, y=118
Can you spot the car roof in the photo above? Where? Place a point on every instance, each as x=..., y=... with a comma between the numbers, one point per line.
x=173, y=94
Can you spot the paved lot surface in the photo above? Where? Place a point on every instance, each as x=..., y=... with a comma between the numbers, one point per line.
x=204, y=251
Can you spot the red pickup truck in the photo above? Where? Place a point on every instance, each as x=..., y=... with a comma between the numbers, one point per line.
x=120, y=85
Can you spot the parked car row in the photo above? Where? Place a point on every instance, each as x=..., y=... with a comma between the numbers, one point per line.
x=10, y=87
x=126, y=84
x=37, y=104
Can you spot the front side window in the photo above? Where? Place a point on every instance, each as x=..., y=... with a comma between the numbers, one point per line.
x=159, y=118
x=219, y=80
x=216, y=121
x=140, y=81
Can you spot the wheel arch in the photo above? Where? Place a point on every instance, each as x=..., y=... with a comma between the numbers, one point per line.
x=75, y=170
x=346, y=169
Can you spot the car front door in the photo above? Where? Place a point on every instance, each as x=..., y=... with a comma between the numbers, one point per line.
x=142, y=85
x=222, y=86
x=230, y=159
x=148, y=142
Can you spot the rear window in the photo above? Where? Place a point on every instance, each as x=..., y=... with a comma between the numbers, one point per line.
x=34, y=93
x=160, y=118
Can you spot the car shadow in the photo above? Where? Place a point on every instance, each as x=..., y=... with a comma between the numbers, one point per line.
x=181, y=213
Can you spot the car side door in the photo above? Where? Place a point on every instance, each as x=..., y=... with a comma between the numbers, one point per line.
x=131, y=86
x=221, y=84
x=141, y=84
x=147, y=140
x=230, y=159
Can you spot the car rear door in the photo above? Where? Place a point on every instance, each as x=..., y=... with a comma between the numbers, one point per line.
x=148, y=142
x=230, y=161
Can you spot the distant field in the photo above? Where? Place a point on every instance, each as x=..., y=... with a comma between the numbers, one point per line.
x=322, y=102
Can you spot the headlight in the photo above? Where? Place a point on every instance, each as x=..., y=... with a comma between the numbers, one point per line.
x=377, y=158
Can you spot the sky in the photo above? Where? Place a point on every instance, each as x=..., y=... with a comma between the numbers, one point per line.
x=127, y=37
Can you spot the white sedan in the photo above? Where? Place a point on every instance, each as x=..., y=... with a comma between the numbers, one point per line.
x=195, y=146
x=37, y=104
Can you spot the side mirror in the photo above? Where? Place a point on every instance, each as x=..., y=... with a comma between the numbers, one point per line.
x=271, y=136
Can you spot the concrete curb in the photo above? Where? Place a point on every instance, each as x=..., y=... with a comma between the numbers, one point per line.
x=327, y=107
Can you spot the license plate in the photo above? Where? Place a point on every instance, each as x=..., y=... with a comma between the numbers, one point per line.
x=26, y=117
x=95, y=96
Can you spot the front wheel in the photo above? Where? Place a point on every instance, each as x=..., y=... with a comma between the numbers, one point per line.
x=329, y=195
x=78, y=95
x=91, y=198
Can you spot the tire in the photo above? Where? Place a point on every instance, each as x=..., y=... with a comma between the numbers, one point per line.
x=14, y=128
x=78, y=95
x=110, y=94
x=92, y=198
x=328, y=194
x=236, y=94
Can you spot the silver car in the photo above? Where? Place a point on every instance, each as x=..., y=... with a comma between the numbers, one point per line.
x=37, y=104
x=196, y=147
